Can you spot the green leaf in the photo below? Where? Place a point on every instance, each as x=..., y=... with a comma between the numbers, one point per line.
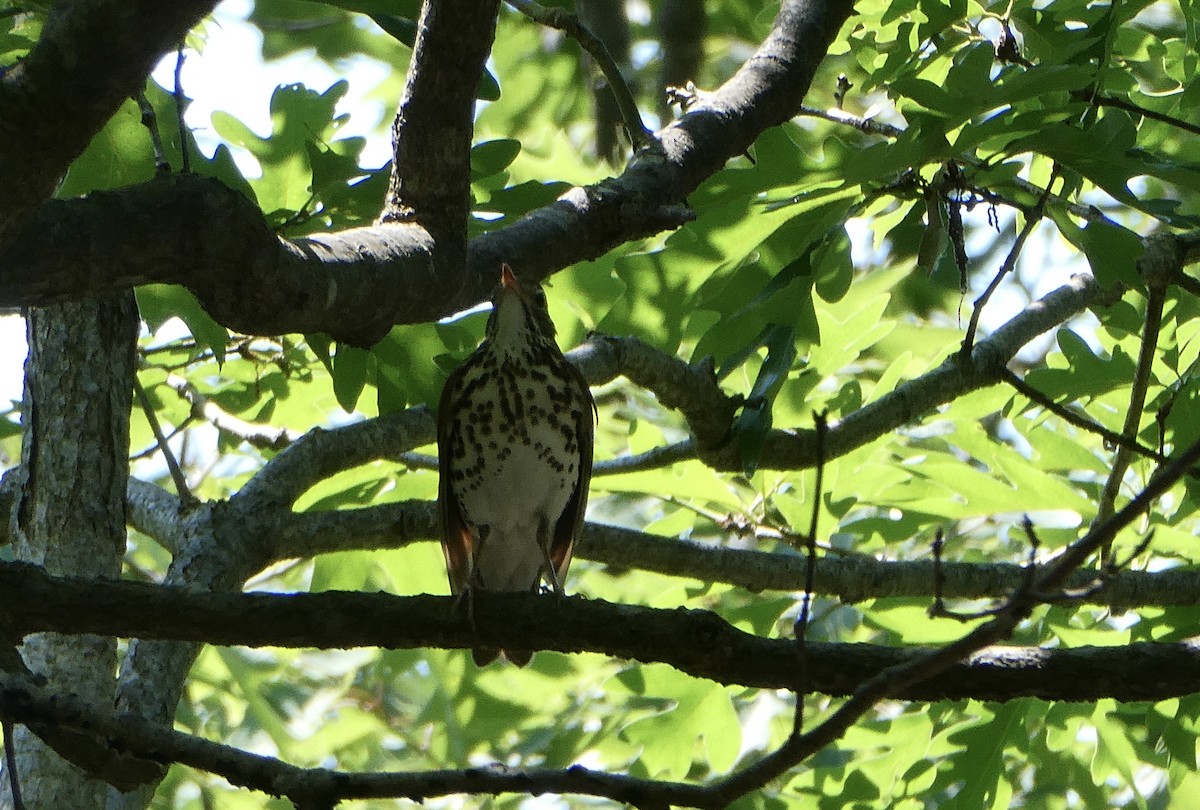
x=754, y=422
x=406, y=369
x=120, y=154
x=493, y=157
x=403, y=29
x=700, y=711
x=158, y=303
x=349, y=370
x=980, y=763
x=1111, y=250
x=1114, y=753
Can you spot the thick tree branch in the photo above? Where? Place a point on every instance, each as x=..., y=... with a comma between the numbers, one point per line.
x=355, y=284
x=305, y=787
x=694, y=641
x=430, y=184
x=157, y=513
x=849, y=578
x=194, y=231
x=913, y=400
x=431, y=135
x=692, y=389
x=91, y=57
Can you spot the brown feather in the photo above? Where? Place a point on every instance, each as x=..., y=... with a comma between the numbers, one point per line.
x=460, y=543
x=570, y=524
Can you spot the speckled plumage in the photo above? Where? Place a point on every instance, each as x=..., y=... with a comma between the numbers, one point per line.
x=515, y=448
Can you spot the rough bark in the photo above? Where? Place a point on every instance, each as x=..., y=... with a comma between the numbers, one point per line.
x=91, y=56
x=430, y=184
x=698, y=642
x=70, y=516
x=389, y=268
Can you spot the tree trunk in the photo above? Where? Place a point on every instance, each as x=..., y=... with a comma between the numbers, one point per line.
x=70, y=516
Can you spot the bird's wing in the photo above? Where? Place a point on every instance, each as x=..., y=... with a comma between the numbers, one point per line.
x=570, y=524
x=458, y=541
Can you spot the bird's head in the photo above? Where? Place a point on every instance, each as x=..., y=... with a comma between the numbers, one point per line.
x=519, y=315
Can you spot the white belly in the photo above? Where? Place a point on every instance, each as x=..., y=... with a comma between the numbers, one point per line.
x=518, y=455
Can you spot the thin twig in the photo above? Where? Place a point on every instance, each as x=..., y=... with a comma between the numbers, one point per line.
x=797, y=748
x=1010, y=262
x=569, y=23
x=1188, y=284
x=150, y=122
x=1078, y=420
x=1035, y=543
x=653, y=459
x=263, y=437
x=740, y=524
x=181, y=486
x=1088, y=213
x=1157, y=296
x=1099, y=100
x=152, y=449
x=867, y=125
x=1105, y=576
x=938, y=607
x=10, y=763
x=177, y=92
x=822, y=428
x=1103, y=531
x=810, y=575
x=418, y=461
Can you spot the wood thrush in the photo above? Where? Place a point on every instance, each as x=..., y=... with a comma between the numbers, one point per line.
x=515, y=432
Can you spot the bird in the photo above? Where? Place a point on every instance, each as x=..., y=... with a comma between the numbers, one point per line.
x=516, y=423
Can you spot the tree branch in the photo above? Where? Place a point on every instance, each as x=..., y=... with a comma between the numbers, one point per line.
x=692, y=389
x=320, y=453
x=1079, y=420
x=1161, y=263
x=430, y=183
x=851, y=578
x=1039, y=587
x=197, y=232
x=355, y=284
x=1103, y=100
x=89, y=59
x=570, y=24
x=264, y=437
x=912, y=400
x=694, y=641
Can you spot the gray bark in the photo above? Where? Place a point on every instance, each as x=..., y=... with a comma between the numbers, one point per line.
x=70, y=515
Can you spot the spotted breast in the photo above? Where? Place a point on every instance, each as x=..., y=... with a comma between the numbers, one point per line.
x=515, y=430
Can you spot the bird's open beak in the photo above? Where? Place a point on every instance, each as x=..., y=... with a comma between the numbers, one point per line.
x=508, y=279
